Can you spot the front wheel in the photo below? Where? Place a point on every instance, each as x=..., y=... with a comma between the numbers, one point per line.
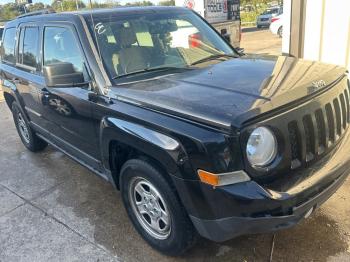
x=155, y=209
x=30, y=140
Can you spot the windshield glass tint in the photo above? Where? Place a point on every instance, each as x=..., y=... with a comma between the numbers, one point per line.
x=132, y=43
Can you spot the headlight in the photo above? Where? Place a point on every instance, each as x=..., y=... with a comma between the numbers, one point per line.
x=261, y=147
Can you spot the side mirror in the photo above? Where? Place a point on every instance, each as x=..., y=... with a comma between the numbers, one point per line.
x=62, y=75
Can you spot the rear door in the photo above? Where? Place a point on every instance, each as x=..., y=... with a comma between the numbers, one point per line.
x=21, y=66
x=28, y=74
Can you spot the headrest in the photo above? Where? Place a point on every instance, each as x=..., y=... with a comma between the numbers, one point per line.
x=127, y=36
x=163, y=28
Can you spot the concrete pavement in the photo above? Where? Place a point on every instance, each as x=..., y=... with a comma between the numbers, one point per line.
x=260, y=41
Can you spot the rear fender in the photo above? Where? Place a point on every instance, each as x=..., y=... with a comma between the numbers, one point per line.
x=10, y=89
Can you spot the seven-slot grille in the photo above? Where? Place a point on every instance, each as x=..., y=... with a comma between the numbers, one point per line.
x=316, y=131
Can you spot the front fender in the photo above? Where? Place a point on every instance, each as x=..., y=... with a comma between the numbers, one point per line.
x=161, y=147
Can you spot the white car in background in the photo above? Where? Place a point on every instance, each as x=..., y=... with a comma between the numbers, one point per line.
x=265, y=19
x=276, y=26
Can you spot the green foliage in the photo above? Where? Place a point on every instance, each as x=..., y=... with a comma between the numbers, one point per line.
x=249, y=17
x=10, y=11
x=36, y=7
x=167, y=3
x=258, y=7
x=67, y=5
x=106, y=4
x=143, y=3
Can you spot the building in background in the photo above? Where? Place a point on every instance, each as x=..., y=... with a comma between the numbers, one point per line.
x=318, y=30
x=223, y=15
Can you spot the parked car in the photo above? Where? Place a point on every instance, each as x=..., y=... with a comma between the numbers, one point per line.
x=1, y=32
x=276, y=26
x=264, y=20
x=199, y=139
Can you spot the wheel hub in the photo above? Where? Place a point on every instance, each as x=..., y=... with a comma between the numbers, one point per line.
x=150, y=208
x=23, y=129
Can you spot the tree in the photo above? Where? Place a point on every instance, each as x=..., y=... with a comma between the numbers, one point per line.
x=143, y=3
x=67, y=5
x=36, y=7
x=10, y=11
x=167, y=3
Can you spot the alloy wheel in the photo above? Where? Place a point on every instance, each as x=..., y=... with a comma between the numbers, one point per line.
x=150, y=208
x=23, y=129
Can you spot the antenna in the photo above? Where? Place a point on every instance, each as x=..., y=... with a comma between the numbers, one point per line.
x=94, y=29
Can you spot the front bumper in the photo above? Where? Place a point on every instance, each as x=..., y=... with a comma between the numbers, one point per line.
x=225, y=212
x=227, y=228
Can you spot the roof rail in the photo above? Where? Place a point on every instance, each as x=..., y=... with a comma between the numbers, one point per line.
x=41, y=12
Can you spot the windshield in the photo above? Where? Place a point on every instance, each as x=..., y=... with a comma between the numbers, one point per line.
x=144, y=41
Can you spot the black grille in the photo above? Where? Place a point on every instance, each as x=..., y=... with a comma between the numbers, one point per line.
x=321, y=130
x=331, y=124
x=295, y=146
x=316, y=131
x=337, y=115
x=347, y=106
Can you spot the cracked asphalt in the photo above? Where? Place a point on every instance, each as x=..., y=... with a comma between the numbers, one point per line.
x=53, y=209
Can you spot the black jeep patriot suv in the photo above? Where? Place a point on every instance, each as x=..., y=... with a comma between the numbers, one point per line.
x=199, y=139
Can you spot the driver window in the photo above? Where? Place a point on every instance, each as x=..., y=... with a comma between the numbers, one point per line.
x=60, y=45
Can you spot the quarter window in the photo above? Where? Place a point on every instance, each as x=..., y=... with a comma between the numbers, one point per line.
x=8, y=49
x=28, y=48
x=60, y=45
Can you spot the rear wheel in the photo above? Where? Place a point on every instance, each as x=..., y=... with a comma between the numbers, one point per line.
x=30, y=140
x=155, y=209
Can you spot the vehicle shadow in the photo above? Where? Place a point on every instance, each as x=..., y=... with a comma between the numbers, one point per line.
x=253, y=29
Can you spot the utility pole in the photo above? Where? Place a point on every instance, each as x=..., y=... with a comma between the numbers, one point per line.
x=61, y=5
x=76, y=3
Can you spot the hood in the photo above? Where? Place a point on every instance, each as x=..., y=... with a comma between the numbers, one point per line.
x=232, y=92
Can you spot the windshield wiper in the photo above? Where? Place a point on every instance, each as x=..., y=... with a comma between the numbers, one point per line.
x=213, y=57
x=147, y=70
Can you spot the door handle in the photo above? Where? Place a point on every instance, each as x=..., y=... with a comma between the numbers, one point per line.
x=16, y=80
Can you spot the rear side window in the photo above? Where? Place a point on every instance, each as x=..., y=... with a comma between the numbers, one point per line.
x=29, y=47
x=8, y=47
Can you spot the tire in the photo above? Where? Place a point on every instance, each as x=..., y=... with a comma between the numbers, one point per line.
x=174, y=237
x=30, y=140
x=280, y=32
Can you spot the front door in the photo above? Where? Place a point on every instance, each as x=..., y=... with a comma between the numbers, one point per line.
x=67, y=110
